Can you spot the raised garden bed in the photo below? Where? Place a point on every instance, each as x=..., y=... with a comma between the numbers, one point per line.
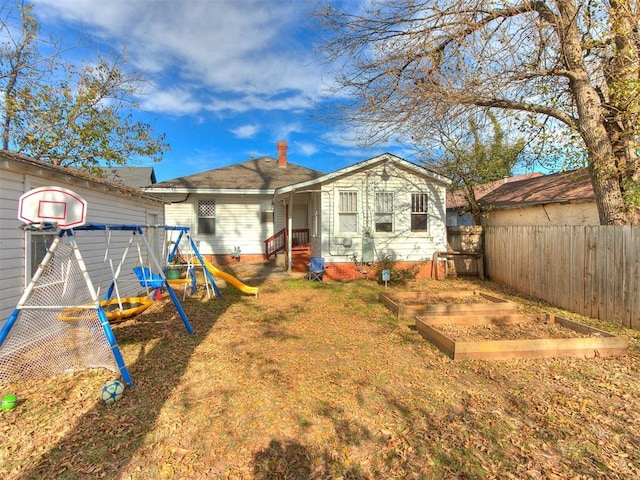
x=517, y=336
x=412, y=304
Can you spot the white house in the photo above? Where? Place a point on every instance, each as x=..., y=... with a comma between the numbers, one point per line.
x=384, y=207
x=108, y=202
x=381, y=208
x=230, y=209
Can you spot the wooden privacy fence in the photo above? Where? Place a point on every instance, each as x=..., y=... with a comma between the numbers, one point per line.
x=590, y=270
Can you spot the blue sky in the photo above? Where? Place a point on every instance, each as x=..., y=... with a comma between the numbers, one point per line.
x=227, y=79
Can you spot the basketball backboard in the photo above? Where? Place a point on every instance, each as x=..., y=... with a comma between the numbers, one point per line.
x=56, y=205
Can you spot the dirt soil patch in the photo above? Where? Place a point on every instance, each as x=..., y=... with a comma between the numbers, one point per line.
x=320, y=381
x=516, y=331
x=443, y=298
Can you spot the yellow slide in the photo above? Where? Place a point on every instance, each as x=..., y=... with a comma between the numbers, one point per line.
x=244, y=288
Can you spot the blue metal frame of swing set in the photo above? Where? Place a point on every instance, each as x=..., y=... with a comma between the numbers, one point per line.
x=102, y=316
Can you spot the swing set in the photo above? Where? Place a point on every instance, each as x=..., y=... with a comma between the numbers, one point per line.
x=61, y=324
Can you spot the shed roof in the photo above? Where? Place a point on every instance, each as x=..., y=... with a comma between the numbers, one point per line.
x=136, y=177
x=457, y=198
x=564, y=187
x=14, y=160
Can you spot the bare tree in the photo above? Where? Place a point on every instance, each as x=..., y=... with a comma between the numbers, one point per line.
x=575, y=62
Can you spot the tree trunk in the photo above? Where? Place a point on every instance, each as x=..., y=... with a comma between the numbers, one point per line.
x=603, y=166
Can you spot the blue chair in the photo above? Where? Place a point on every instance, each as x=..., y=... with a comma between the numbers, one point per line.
x=316, y=269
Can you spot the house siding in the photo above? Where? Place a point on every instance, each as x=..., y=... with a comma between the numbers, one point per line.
x=238, y=224
x=12, y=253
x=299, y=199
x=584, y=213
x=105, y=204
x=402, y=244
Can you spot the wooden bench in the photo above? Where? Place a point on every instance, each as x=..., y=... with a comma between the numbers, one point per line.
x=478, y=257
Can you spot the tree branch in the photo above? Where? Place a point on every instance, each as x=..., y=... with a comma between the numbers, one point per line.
x=506, y=104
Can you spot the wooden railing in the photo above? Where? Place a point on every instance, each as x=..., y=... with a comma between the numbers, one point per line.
x=278, y=242
x=300, y=238
x=275, y=243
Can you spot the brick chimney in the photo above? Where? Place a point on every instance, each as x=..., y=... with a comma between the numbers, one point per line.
x=282, y=154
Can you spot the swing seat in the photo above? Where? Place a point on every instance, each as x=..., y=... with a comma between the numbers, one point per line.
x=147, y=278
x=131, y=306
x=188, y=281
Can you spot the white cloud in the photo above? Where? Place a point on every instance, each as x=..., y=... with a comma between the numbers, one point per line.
x=175, y=101
x=283, y=130
x=245, y=131
x=306, y=149
x=241, y=54
x=244, y=103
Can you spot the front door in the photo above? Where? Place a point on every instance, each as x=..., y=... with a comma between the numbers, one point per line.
x=300, y=215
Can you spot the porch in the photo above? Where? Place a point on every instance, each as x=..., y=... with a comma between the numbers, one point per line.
x=275, y=247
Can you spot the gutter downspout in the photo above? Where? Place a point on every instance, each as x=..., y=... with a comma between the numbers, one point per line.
x=289, y=232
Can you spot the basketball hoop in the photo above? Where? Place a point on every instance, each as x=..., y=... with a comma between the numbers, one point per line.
x=52, y=205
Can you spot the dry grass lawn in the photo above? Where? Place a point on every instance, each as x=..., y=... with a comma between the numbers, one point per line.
x=320, y=381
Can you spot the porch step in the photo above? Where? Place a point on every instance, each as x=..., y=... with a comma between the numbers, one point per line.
x=300, y=260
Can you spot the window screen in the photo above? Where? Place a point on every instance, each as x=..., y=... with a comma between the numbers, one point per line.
x=384, y=212
x=38, y=247
x=348, y=212
x=419, y=217
x=206, y=217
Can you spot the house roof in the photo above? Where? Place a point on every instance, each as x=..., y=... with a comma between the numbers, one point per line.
x=259, y=175
x=387, y=158
x=457, y=198
x=136, y=177
x=12, y=160
x=564, y=187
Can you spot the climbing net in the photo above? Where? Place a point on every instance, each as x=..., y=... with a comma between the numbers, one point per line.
x=44, y=342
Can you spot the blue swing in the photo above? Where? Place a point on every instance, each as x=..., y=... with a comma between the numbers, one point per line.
x=148, y=279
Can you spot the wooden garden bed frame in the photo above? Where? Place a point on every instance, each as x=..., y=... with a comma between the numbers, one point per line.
x=603, y=345
x=409, y=304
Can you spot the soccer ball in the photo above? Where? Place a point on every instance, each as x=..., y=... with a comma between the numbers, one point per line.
x=112, y=392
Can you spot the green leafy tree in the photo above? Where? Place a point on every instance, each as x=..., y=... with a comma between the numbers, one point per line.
x=471, y=160
x=573, y=62
x=69, y=115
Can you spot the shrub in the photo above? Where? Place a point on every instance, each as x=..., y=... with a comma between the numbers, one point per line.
x=400, y=276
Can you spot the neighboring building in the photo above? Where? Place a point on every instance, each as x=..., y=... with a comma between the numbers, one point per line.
x=458, y=208
x=565, y=198
x=384, y=207
x=136, y=177
x=108, y=202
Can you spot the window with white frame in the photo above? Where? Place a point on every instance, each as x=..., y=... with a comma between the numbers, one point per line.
x=384, y=212
x=266, y=211
x=419, y=212
x=38, y=246
x=206, y=217
x=348, y=212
